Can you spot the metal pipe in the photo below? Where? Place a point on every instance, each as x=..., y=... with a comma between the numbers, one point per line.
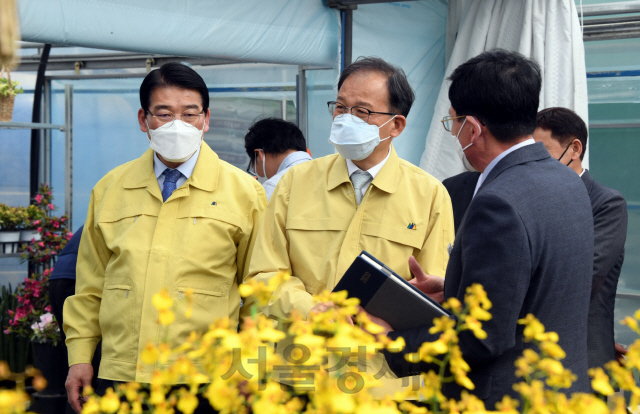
x=46, y=154
x=302, y=103
x=605, y=20
x=348, y=36
x=615, y=125
x=632, y=34
x=68, y=152
x=621, y=7
x=35, y=117
x=612, y=27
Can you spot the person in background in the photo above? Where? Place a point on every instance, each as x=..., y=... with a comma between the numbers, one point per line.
x=326, y=211
x=274, y=145
x=62, y=281
x=527, y=236
x=564, y=134
x=177, y=219
x=62, y=284
x=461, y=188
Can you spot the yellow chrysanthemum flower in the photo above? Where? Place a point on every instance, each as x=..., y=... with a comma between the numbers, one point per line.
x=162, y=300
x=109, y=403
x=600, y=381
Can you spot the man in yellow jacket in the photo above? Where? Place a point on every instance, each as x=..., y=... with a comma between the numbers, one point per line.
x=324, y=212
x=176, y=218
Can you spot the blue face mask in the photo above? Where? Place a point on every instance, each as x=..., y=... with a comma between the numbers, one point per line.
x=353, y=138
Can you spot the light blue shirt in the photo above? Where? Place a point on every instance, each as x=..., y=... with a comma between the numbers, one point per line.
x=497, y=159
x=290, y=160
x=186, y=168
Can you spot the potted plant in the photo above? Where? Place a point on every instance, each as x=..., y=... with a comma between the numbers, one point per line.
x=32, y=317
x=8, y=91
x=33, y=217
x=11, y=219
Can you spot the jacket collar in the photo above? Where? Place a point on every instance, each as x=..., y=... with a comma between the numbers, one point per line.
x=386, y=180
x=205, y=173
x=588, y=180
x=529, y=153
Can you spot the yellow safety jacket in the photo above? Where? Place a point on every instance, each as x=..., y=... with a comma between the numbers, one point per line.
x=314, y=229
x=133, y=245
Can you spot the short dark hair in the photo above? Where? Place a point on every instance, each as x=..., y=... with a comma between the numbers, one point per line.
x=401, y=95
x=501, y=89
x=274, y=136
x=565, y=126
x=173, y=74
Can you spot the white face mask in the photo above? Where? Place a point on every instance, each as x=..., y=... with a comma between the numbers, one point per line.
x=353, y=138
x=255, y=162
x=177, y=141
x=461, y=150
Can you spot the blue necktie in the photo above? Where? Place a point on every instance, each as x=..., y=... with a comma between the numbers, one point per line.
x=170, y=178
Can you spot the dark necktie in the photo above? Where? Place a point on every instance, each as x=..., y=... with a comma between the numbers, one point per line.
x=170, y=179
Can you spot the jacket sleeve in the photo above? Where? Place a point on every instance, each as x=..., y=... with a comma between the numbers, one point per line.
x=271, y=256
x=81, y=310
x=434, y=255
x=610, y=234
x=494, y=252
x=247, y=244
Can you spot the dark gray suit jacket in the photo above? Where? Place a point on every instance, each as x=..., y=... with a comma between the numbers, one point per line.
x=527, y=238
x=610, y=232
x=461, y=188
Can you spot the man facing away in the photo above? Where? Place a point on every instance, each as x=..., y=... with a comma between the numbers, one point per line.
x=177, y=218
x=274, y=145
x=527, y=236
x=326, y=211
x=564, y=134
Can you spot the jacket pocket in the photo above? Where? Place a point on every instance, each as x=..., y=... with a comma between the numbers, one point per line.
x=399, y=235
x=207, y=306
x=392, y=245
x=314, y=247
x=128, y=230
x=210, y=237
x=117, y=312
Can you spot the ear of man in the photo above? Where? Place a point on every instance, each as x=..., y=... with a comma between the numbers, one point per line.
x=399, y=123
x=577, y=149
x=476, y=128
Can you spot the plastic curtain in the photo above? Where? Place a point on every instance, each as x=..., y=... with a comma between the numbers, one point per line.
x=545, y=30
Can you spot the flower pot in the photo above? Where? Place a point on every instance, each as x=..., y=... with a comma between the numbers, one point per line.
x=6, y=107
x=51, y=361
x=9, y=241
x=29, y=234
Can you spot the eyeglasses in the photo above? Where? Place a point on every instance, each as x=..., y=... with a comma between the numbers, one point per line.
x=190, y=116
x=447, y=121
x=336, y=108
x=250, y=167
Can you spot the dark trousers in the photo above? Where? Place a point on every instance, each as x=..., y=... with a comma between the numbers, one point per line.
x=59, y=291
x=203, y=403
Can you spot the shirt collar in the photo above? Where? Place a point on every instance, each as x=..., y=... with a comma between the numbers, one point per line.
x=582, y=173
x=386, y=181
x=497, y=159
x=292, y=159
x=351, y=167
x=186, y=168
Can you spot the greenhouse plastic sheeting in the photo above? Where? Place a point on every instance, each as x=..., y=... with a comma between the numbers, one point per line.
x=410, y=35
x=277, y=31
